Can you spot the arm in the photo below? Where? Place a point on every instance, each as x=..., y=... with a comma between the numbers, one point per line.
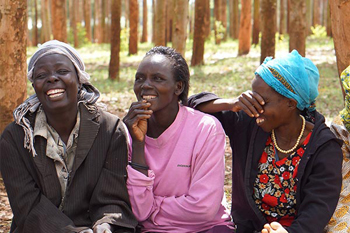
x=203, y=199
x=29, y=205
x=321, y=191
x=110, y=206
x=250, y=102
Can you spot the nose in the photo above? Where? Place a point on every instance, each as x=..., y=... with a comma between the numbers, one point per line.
x=146, y=84
x=52, y=78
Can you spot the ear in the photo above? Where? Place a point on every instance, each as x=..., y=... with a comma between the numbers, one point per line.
x=292, y=104
x=179, y=88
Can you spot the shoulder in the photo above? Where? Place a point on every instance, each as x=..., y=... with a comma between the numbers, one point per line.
x=110, y=121
x=202, y=120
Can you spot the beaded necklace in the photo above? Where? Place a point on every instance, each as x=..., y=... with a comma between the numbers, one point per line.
x=296, y=144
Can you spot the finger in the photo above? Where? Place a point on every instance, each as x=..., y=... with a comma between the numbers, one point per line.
x=250, y=104
x=276, y=225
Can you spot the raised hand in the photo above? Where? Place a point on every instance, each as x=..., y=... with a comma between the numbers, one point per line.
x=274, y=227
x=250, y=102
x=136, y=119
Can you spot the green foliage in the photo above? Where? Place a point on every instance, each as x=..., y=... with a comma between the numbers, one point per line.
x=81, y=35
x=318, y=32
x=220, y=30
x=124, y=39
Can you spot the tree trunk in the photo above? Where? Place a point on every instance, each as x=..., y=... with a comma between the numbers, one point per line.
x=159, y=37
x=297, y=31
x=98, y=22
x=308, y=16
x=115, y=40
x=153, y=21
x=13, y=59
x=134, y=21
x=169, y=20
x=144, y=22
x=245, y=28
x=223, y=18
x=217, y=20
x=35, y=24
x=45, y=21
x=73, y=7
x=282, y=27
x=207, y=19
x=180, y=8
x=199, y=36
x=329, y=21
x=256, y=22
x=234, y=19
x=340, y=15
x=87, y=19
x=268, y=29
x=59, y=24
x=317, y=13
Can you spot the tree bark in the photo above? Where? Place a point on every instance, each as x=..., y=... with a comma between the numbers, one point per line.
x=115, y=40
x=144, y=36
x=87, y=19
x=159, y=37
x=234, y=19
x=98, y=30
x=317, y=13
x=282, y=27
x=340, y=16
x=59, y=24
x=13, y=59
x=256, y=22
x=169, y=20
x=223, y=18
x=45, y=21
x=35, y=24
x=73, y=7
x=199, y=35
x=297, y=31
x=329, y=21
x=217, y=19
x=207, y=19
x=134, y=21
x=268, y=28
x=153, y=21
x=245, y=28
x=181, y=17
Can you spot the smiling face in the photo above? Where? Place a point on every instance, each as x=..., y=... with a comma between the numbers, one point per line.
x=277, y=109
x=155, y=82
x=55, y=82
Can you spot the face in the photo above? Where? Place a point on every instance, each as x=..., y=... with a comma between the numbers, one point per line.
x=55, y=82
x=155, y=83
x=277, y=108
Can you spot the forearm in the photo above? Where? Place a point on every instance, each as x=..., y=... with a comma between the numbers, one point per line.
x=217, y=105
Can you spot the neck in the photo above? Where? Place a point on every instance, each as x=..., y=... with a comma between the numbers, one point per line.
x=63, y=122
x=161, y=120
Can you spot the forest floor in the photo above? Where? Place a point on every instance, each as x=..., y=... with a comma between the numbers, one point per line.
x=224, y=73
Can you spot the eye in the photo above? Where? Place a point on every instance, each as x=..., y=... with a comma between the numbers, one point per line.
x=63, y=71
x=157, y=78
x=138, y=78
x=39, y=76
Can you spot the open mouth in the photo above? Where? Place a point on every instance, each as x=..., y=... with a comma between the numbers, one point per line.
x=148, y=97
x=53, y=93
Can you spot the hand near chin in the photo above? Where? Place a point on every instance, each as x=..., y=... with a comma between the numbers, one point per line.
x=274, y=227
x=136, y=119
x=250, y=102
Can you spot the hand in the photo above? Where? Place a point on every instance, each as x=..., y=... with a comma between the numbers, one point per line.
x=274, y=227
x=250, y=102
x=103, y=228
x=136, y=119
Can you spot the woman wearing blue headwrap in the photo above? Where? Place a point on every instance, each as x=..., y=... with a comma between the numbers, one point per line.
x=286, y=162
x=63, y=159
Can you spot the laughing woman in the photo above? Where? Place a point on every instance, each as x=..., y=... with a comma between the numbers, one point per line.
x=286, y=161
x=176, y=174
x=63, y=160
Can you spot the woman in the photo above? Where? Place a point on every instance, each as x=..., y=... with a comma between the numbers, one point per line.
x=340, y=221
x=176, y=174
x=286, y=161
x=63, y=160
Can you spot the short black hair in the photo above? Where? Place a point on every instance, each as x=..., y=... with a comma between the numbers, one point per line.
x=180, y=67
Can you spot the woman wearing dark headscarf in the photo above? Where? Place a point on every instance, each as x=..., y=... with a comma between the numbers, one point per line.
x=286, y=161
x=63, y=159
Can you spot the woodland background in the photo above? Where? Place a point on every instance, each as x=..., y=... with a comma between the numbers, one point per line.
x=224, y=41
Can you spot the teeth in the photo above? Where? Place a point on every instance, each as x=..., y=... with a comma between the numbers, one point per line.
x=259, y=120
x=148, y=97
x=55, y=95
x=54, y=91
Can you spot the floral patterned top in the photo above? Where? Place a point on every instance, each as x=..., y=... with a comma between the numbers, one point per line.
x=276, y=184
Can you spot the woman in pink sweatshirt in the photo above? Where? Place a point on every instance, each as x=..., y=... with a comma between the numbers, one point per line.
x=176, y=173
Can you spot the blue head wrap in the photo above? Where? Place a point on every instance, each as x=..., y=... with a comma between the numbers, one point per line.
x=292, y=76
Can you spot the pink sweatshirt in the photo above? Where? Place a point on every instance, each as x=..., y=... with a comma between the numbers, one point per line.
x=184, y=188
